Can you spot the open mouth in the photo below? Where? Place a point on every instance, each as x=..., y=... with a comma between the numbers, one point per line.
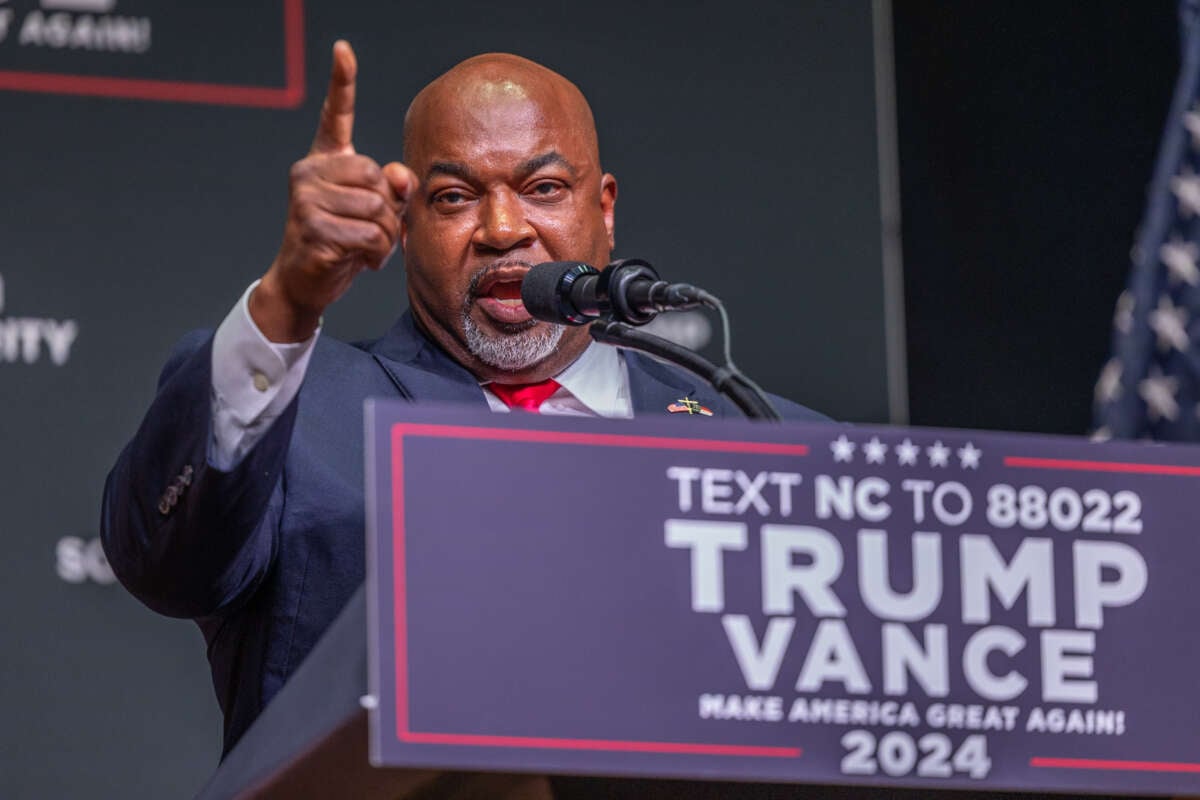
x=507, y=292
x=498, y=294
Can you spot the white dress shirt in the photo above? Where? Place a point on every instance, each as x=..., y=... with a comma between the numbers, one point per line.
x=595, y=385
x=255, y=379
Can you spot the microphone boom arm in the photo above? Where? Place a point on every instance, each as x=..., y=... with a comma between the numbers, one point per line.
x=729, y=382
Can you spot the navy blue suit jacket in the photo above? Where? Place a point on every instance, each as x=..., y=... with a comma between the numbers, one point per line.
x=265, y=555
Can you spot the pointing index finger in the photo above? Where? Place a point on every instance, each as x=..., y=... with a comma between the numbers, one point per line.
x=336, y=128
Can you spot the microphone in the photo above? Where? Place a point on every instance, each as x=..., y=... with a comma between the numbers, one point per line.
x=572, y=293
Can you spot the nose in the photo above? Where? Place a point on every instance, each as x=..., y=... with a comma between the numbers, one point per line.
x=502, y=224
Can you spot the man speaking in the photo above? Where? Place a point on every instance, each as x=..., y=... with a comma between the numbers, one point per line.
x=239, y=502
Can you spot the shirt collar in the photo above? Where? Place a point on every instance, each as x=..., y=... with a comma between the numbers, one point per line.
x=599, y=380
x=596, y=383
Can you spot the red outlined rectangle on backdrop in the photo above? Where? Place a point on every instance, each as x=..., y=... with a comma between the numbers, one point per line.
x=399, y=593
x=290, y=95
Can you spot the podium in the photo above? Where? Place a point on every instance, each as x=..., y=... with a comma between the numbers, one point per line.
x=311, y=741
x=312, y=738
x=781, y=606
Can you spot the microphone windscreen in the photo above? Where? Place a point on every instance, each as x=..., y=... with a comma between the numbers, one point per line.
x=545, y=290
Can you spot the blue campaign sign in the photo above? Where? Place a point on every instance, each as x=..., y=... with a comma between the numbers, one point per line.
x=807, y=603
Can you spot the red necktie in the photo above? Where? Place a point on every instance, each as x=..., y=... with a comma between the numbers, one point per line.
x=526, y=396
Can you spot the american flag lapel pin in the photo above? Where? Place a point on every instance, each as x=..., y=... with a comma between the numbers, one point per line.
x=686, y=405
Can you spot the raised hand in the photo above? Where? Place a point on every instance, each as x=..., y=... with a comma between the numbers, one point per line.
x=343, y=217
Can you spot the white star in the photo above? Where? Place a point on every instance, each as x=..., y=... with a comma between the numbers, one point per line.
x=1108, y=385
x=843, y=449
x=1186, y=188
x=968, y=456
x=875, y=450
x=939, y=454
x=1159, y=393
x=1180, y=258
x=1123, y=318
x=1191, y=122
x=1103, y=434
x=907, y=452
x=1170, y=323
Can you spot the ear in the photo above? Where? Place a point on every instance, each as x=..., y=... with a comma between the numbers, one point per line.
x=608, y=201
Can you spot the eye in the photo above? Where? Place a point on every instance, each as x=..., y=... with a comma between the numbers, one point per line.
x=546, y=190
x=450, y=198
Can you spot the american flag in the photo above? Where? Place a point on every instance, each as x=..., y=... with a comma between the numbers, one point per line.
x=1150, y=388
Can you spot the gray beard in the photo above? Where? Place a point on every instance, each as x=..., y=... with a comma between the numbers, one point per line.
x=516, y=347
x=524, y=346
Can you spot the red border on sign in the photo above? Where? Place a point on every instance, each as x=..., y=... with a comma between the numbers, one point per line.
x=291, y=95
x=1100, y=466
x=1082, y=465
x=1098, y=763
x=399, y=594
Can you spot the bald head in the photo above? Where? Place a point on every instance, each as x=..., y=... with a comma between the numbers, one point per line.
x=492, y=82
x=509, y=175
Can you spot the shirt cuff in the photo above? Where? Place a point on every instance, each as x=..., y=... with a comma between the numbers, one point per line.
x=254, y=380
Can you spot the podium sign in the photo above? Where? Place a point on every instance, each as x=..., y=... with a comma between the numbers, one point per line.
x=692, y=597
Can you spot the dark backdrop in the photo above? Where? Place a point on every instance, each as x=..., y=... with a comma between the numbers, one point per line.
x=743, y=137
x=1027, y=136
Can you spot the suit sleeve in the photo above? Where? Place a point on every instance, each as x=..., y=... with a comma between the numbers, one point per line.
x=253, y=381
x=186, y=538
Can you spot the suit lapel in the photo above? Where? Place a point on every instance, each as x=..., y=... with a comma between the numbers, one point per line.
x=652, y=388
x=421, y=371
